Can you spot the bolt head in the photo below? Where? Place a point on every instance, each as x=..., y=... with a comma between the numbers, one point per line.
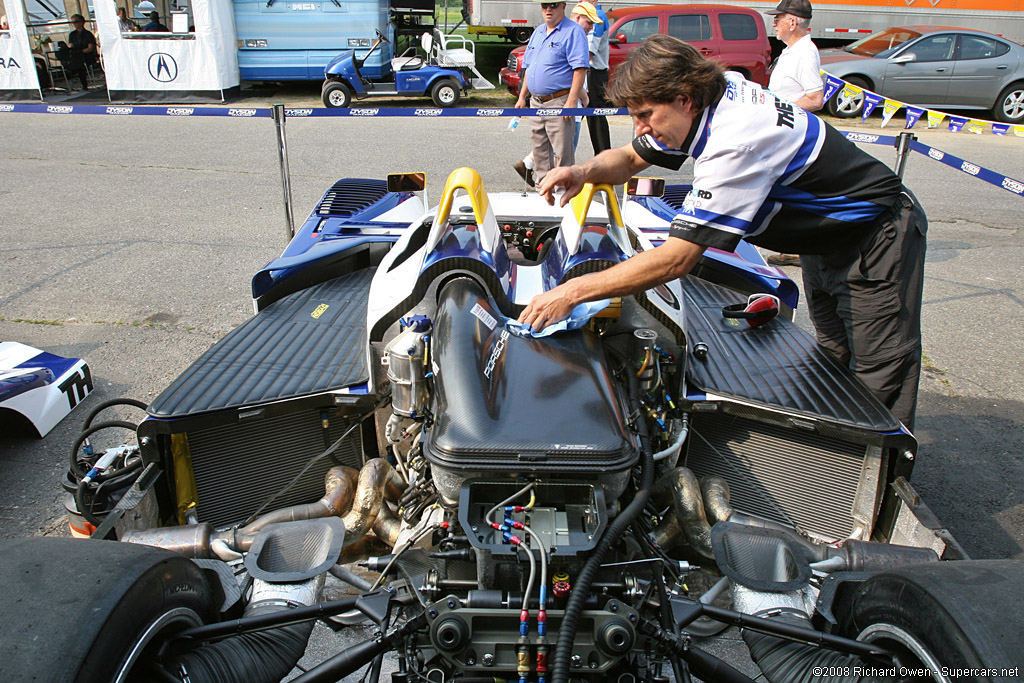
x=488, y=659
x=576, y=661
x=432, y=613
x=451, y=604
x=613, y=606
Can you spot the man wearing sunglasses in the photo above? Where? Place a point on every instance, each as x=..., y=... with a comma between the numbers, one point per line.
x=556, y=61
x=767, y=171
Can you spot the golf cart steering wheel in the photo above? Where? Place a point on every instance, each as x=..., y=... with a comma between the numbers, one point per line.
x=381, y=37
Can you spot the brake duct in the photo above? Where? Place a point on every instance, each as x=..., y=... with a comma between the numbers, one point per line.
x=358, y=497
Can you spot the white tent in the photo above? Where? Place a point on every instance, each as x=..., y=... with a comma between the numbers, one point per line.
x=201, y=65
x=18, y=78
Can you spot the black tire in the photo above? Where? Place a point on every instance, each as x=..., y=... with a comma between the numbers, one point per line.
x=959, y=615
x=445, y=93
x=854, y=106
x=1010, y=105
x=336, y=95
x=520, y=35
x=87, y=610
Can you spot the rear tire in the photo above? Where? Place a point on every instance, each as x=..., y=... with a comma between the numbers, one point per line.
x=336, y=95
x=445, y=93
x=958, y=615
x=88, y=610
x=1010, y=105
x=851, y=108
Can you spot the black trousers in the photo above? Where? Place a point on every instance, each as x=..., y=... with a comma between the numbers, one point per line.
x=597, y=82
x=865, y=303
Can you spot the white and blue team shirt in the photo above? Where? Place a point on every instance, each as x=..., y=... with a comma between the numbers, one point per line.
x=767, y=171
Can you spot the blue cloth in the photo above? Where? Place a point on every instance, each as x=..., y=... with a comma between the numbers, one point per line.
x=551, y=58
x=579, y=317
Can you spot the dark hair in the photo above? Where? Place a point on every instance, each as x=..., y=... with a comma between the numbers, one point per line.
x=77, y=17
x=663, y=68
x=155, y=16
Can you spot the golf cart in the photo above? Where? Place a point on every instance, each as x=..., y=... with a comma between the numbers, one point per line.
x=444, y=73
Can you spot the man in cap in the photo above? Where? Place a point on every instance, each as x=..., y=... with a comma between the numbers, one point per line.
x=796, y=75
x=597, y=78
x=556, y=62
x=771, y=173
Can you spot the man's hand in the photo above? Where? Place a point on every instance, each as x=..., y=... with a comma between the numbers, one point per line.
x=544, y=309
x=569, y=177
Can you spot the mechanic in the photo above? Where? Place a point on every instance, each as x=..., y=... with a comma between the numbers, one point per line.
x=556, y=62
x=796, y=74
x=769, y=172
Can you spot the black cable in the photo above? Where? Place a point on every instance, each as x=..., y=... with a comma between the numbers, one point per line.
x=580, y=592
x=110, y=404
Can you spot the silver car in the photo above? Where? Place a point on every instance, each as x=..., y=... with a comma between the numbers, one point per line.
x=937, y=67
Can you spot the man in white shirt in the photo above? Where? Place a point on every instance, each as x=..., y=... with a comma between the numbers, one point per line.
x=796, y=76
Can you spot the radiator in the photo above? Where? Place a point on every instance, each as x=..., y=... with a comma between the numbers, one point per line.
x=241, y=465
x=823, y=486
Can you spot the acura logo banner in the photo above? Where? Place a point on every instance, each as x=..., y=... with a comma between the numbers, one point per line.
x=163, y=67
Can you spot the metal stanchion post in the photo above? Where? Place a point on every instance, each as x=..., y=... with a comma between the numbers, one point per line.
x=286, y=180
x=902, y=147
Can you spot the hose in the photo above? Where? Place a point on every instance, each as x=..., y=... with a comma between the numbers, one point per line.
x=260, y=657
x=573, y=611
x=110, y=404
x=786, y=661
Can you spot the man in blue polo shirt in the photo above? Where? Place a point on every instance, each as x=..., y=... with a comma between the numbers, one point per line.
x=556, y=60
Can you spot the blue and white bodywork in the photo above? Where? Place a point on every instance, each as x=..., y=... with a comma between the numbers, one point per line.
x=41, y=386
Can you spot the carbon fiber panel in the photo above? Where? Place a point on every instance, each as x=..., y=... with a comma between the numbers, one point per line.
x=239, y=466
x=794, y=477
x=776, y=365
x=505, y=402
x=306, y=343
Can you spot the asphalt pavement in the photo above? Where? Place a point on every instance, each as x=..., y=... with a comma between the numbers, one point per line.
x=130, y=241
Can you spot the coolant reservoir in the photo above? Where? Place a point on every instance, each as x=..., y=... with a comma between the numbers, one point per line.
x=407, y=368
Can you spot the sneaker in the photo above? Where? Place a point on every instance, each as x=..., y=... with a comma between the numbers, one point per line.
x=524, y=173
x=784, y=260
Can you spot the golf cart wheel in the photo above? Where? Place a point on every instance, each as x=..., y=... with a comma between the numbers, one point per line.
x=445, y=93
x=89, y=610
x=520, y=35
x=1010, y=105
x=848, y=108
x=944, y=616
x=336, y=94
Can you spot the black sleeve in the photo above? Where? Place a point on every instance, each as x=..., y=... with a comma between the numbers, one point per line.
x=703, y=235
x=652, y=155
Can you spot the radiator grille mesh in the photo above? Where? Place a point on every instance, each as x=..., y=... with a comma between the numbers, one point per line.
x=239, y=466
x=798, y=478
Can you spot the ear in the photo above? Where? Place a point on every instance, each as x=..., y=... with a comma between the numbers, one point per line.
x=684, y=104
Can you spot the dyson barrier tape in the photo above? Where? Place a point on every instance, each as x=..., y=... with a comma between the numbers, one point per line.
x=299, y=112
x=870, y=138
x=998, y=179
x=991, y=177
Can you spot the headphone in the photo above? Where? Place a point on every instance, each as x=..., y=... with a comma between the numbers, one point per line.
x=758, y=310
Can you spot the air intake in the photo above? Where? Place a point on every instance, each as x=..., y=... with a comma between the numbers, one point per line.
x=350, y=196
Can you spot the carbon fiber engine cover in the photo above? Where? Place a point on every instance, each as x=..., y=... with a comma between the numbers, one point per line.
x=520, y=405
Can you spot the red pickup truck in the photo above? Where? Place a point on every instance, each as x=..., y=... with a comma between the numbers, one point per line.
x=736, y=36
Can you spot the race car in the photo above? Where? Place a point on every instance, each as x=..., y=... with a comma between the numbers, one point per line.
x=591, y=502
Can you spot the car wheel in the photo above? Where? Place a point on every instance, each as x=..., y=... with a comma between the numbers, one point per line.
x=89, y=610
x=944, y=616
x=1010, y=105
x=848, y=108
x=445, y=93
x=520, y=35
x=336, y=94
